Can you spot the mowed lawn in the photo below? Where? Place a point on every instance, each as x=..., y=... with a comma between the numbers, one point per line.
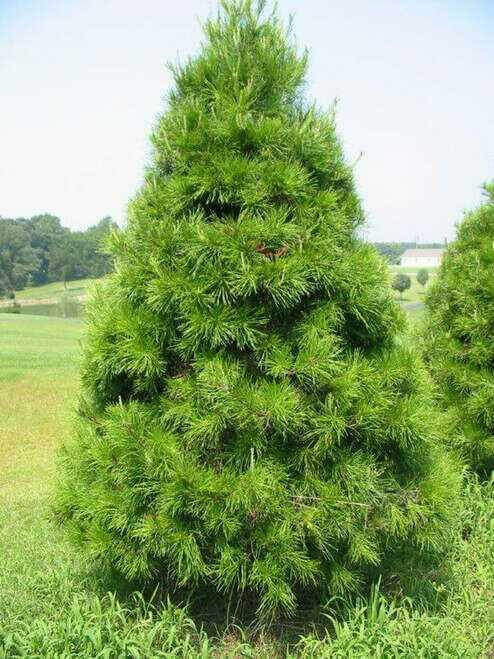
x=55, y=290
x=53, y=605
x=38, y=384
x=416, y=292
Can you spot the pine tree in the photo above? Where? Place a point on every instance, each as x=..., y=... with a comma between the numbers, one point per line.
x=250, y=422
x=458, y=334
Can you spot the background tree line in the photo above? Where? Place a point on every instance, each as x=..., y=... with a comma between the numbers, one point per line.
x=392, y=251
x=39, y=250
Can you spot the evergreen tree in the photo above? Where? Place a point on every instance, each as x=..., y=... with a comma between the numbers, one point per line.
x=250, y=421
x=459, y=330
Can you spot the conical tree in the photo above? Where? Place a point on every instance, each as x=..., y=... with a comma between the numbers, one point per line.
x=250, y=422
x=459, y=334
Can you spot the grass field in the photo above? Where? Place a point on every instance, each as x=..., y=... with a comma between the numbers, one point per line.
x=53, y=605
x=412, y=270
x=55, y=290
x=416, y=292
x=51, y=294
x=53, y=299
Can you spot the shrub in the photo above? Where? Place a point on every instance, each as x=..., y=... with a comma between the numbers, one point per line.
x=251, y=424
x=423, y=276
x=458, y=334
x=401, y=283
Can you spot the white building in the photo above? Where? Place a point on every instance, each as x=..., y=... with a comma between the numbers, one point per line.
x=422, y=258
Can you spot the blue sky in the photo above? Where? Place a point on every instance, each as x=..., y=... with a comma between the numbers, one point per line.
x=82, y=81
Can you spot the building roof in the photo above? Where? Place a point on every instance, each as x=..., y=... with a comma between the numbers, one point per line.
x=422, y=252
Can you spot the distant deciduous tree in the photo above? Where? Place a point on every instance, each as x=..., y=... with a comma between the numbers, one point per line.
x=423, y=276
x=63, y=259
x=39, y=250
x=401, y=283
x=45, y=234
x=94, y=260
x=18, y=259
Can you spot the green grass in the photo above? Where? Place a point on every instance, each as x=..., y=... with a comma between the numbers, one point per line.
x=54, y=290
x=37, y=310
x=459, y=624
x=53, y=299
x=416, y=292
x=38, y=347
x=412, y=270
x=54, y=605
